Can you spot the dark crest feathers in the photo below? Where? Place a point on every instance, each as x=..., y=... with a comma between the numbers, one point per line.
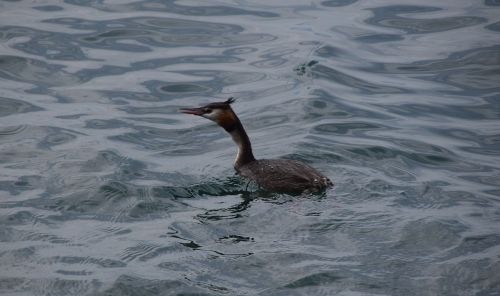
x=230, y=101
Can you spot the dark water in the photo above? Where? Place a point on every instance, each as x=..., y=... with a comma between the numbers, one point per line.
x=105, y=189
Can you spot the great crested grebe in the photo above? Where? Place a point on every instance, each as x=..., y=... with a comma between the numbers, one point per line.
x=276, y=175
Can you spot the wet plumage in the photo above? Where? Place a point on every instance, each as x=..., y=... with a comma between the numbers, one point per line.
x=284, y=175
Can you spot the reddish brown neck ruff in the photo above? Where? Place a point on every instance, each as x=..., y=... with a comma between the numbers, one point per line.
x=277, y=175
x=233, y=126
x=224, y=116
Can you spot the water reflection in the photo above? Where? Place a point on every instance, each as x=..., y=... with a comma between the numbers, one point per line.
x=389, y=16
x=175, y=8
x=473, y=71
x=51, y=45
x=324, y=72
x=337, y=3
x=34, y=71
x=12, y=106
x=107, y=189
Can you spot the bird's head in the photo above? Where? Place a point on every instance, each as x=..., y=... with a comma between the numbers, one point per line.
x=219, y=112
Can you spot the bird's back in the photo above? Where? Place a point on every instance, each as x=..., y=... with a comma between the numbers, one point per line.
x=283, y=175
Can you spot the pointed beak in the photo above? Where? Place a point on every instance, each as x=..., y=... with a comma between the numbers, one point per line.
x=194, y=111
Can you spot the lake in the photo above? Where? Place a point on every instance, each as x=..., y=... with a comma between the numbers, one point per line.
x=106, y=189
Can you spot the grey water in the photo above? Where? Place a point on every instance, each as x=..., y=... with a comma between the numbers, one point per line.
x=105, y=189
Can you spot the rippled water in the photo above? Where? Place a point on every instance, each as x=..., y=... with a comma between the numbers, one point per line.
x=107, y=190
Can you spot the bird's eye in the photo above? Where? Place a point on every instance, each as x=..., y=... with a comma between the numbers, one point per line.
x=208, y=111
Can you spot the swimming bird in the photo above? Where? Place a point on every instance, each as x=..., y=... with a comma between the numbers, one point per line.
x=275, y=175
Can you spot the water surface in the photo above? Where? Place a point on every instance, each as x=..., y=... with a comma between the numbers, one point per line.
x=105, y=189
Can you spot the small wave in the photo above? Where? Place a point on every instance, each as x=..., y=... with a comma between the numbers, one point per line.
x=388, y=16
x=12, y=130
x=12, y=106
